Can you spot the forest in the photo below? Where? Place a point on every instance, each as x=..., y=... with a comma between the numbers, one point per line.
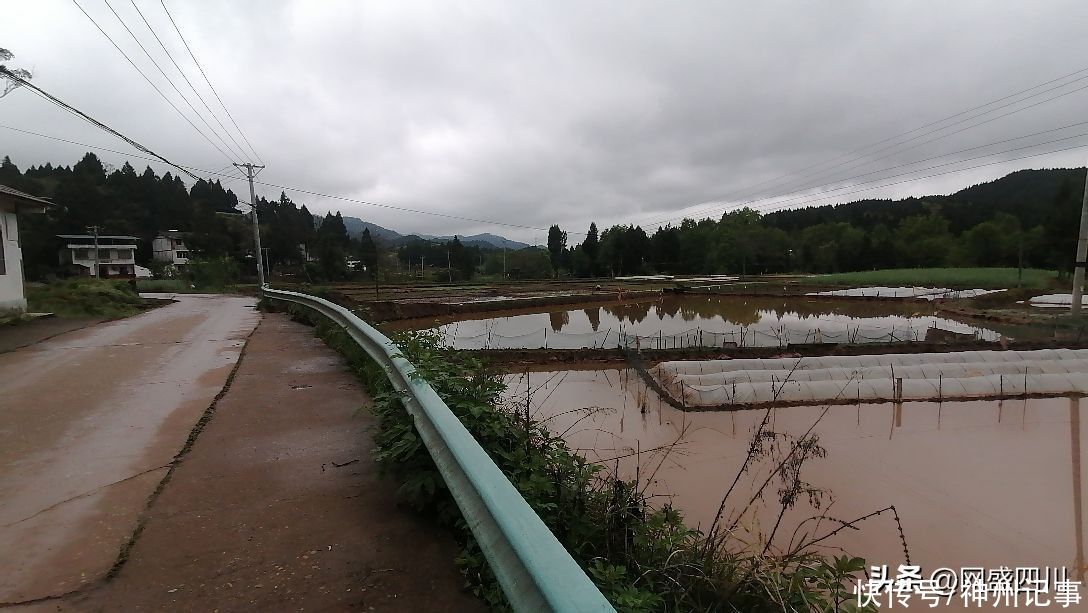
x=1028, y=218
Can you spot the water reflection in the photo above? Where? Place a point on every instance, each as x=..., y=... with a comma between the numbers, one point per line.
x=593, y=315
x=740, y=320
x=558, y=320
x=976, y=483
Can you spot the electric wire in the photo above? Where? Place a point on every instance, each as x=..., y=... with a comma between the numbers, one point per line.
x=80, y=114
x=170, y=56
x=714, y=209
x=654, y=220
x=190, y=170
x=233, y=154
x=209, y=82
x=780, y=204
x=149, y=81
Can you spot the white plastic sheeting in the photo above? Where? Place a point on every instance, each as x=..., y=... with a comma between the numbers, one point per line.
x=1052, y=301
x=916, y=376
x=924, y=293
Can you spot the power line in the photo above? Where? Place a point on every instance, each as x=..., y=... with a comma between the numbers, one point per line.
x=169, y=80
x=209, y=82
x=404, y=209
x=78, y=113
x=191, y=170
x=942, y=136
x=714, y=209
x=653, y=220
x=149, y=81
x=187, y=81
x=775, y=208
x=126, y=154
x=803, y=192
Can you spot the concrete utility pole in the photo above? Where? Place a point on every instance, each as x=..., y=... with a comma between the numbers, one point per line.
x=1082, y=254
x=449, y=264
x=94, y=230
x=256, y=227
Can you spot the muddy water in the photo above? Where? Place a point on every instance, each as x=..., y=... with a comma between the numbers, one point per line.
x=975, y=483
x=708, y=321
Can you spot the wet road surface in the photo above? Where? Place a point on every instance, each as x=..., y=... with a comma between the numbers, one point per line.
x=279, y=505
x=89, y=423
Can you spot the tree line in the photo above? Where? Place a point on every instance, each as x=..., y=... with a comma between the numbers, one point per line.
x=1029, y=217
x=124, y=202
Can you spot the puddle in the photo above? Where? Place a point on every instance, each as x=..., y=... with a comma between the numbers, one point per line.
x=980, y=483
x=709, y=321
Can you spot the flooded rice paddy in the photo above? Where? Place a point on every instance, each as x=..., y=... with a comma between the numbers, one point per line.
x=980, y=483
x=709, y=321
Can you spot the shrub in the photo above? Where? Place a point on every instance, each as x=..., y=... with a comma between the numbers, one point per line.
x=213, y=273
x=642, y=558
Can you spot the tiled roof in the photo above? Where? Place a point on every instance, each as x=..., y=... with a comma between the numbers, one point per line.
x=14, y=193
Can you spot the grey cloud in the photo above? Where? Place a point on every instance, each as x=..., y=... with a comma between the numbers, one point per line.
x=535, y=113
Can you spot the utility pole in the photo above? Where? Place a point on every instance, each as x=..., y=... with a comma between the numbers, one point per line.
x=1020, y=261
x=449, y=264
x=94, y=230
x=421, y=267
x=256, y=227
x=1082, y=254
x=504, y=261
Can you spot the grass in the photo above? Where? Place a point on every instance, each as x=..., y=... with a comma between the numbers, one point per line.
x=956, y=278
x=84, y=298
x=643, y=558
x=164, y=285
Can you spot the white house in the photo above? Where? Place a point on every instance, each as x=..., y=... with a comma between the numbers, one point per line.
x=12, y=203
x=116, y=255
x=169, y=247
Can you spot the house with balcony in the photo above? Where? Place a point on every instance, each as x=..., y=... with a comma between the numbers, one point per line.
x=169, y=247
x=14, y=203
x=115, y=256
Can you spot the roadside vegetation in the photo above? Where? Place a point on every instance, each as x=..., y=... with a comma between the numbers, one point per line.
x=956, y=278
x=84, y=298
x=642, y=557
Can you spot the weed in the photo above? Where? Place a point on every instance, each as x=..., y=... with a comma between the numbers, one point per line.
x=641, y=557
x=84, y=298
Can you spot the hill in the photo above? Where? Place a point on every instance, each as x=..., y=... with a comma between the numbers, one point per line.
x=355, y=227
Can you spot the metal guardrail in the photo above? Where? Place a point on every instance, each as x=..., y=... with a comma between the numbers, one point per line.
x=535, y=571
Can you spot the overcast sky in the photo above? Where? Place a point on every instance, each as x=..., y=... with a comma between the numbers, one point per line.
x=534, y=113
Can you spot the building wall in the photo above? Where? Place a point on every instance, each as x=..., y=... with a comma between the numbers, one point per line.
x=11, y=281
x=169, y=249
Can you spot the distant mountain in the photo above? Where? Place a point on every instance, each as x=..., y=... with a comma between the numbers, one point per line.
x=355, y=227
x=481, y=240
x=1023, y=187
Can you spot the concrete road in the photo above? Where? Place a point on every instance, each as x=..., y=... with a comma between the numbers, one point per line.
x=279, y=505
x=89, y=424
